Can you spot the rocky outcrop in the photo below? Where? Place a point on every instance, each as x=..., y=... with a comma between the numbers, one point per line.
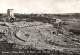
x=42, y=36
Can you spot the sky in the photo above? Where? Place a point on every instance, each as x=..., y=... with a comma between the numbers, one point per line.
x=40, y=6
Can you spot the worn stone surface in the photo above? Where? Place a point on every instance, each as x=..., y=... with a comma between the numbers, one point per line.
x=41, y=36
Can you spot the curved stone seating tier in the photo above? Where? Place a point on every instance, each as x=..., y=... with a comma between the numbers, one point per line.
x=41, y=36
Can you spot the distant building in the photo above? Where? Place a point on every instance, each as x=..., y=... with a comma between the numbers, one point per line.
x=10, y=13
x=57, y=20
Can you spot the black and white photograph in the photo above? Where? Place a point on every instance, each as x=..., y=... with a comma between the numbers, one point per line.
x=39, y=27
